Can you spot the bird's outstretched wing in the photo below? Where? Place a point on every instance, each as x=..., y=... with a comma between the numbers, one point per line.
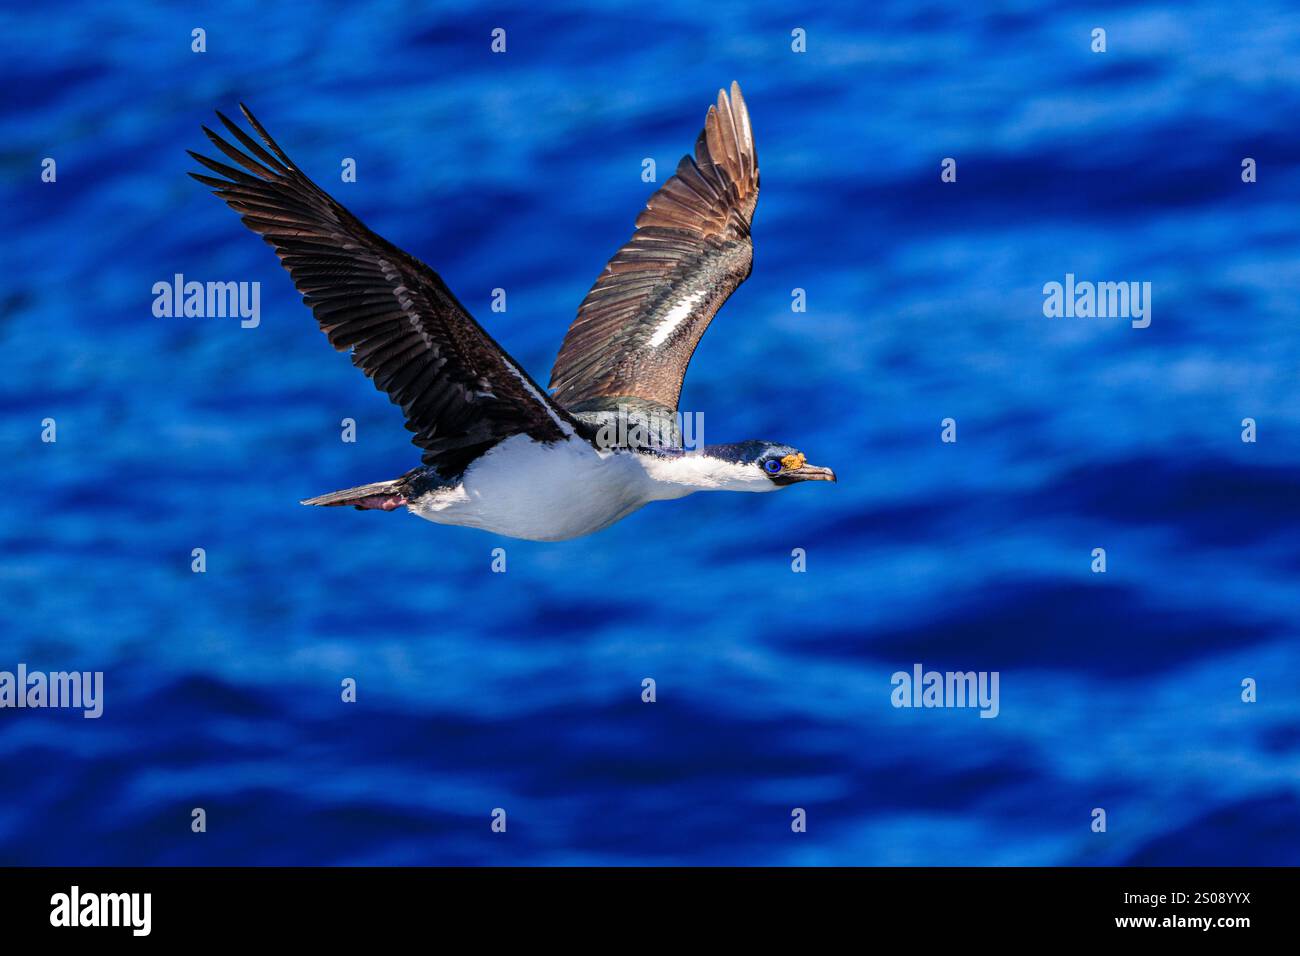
x=460, y=392
x=638, y=326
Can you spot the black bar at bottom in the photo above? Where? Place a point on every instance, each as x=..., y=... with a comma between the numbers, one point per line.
x=334, y=904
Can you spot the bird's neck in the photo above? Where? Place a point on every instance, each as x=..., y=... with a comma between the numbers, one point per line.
x=677, y=475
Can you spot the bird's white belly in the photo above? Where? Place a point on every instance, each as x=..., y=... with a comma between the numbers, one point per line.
x=523, y=489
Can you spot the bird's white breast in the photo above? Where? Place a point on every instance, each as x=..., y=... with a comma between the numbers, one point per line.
x=524, y=489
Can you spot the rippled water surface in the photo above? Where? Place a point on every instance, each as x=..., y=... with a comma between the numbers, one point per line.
x=522, y=690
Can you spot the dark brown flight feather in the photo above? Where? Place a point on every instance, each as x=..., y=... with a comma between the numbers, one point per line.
x=460, y=392
x=638, y=326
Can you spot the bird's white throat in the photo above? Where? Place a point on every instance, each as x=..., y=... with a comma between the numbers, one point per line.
x=679, y=475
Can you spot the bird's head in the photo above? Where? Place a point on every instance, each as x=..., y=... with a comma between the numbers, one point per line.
x=765, y=465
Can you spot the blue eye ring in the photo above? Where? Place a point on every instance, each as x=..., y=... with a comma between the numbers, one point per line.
x=772, y=466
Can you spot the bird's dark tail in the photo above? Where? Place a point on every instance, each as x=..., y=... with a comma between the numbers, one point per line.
x=377, y=496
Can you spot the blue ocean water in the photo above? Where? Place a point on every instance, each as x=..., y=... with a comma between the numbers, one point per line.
x=522, y=690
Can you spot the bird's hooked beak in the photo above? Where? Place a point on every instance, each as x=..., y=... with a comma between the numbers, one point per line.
x=795, y=467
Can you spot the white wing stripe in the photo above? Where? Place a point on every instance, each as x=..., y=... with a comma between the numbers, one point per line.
x=541, y=399
x=675, y=317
